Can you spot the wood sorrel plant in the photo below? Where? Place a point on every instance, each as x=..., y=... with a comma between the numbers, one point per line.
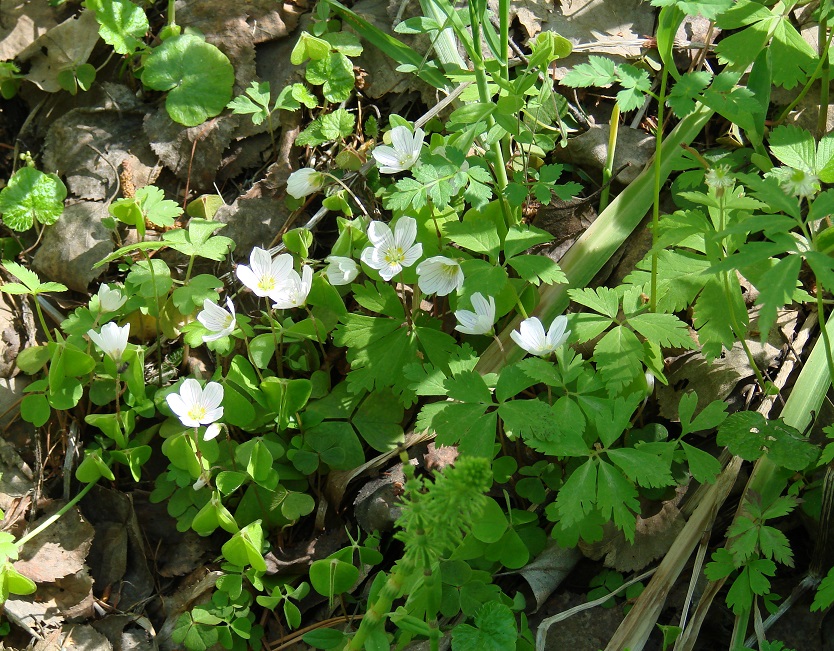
x=413, y=297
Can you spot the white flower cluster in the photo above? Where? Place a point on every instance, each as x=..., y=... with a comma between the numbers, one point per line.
x=276, y=279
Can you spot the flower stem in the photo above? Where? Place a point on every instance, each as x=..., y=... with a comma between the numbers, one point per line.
x=55, y=516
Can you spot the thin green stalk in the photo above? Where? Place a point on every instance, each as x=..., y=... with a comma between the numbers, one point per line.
x=42, y=320
x=825, y=77
x=504, y=38
x=501, y=179
x=658, y=184
x=608, y=170
x=55, y=516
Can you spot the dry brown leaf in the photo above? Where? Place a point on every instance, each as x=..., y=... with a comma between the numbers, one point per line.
x=112, y=126
x=59, y=551
x=71, y=247
x=21, y=23
x=66, y=45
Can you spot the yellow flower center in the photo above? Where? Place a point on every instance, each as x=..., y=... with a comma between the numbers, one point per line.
x=197, y=412
x=266, y=283
x=394, y=256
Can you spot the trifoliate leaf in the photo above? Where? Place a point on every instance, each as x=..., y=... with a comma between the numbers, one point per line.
x=635, y=83
x=711, y=416
x=380, y=298
x=255, y=102
x=776, y=289
x=334, y=73
x=712, y=320
x=121, y=24
x=686, y=91
x=151, y=278
x=749, y=435
x=197, y=76
x=30, y=195
x=199, y=241
x=468, y=387
x=477, y=235
x=496, y=630
x=155, y=207
x=535, y=422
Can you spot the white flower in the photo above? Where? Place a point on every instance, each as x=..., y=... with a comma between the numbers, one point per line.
x=532, y=338
x=195, y=406
x=305, y=181
x=264, y=275
x=439, y=275
x=390, y=252
x=798, y=183
x=340, y=270
x=404, y=152
x=480, y=321
x=293, y=291
x=219, y=322
x=110, y=300
x=112, y=341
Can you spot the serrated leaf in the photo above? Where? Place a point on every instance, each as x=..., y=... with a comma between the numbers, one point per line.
x=199, y=241
x=521, y=237
x=709, y=9
x=337, y=125
x=642, y=468
x=776, y=289
x=618, y=356
x=599, y=72
x=686, y=91
x=617, y=499
x=152, y=278
x=121, y=24
x=602, y=300
x=663, y=329
x=538, y=269
x=334, y=73
x=577, y=496
x=711, y=319
x=29, y=195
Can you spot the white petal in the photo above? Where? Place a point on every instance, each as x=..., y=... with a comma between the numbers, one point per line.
x=412, y=255
x=402, y=139
x=281, y=266
x=484, y=307
x=387, y=159
x=248, y=278
x=379, y=234
x=260, y=261
x=212, y=415
x=212, y=395
x=177, y=405
x=230, y=306
x=556, y=333
x=96, y=338
x=405, y=232
x=369, y=258
x=191, y=392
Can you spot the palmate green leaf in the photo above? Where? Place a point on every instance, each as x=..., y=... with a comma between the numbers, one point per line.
x=663, y=329
x=198, y=240
x=617, y=499
x=380, y=298
x=711, y=319
x=618, y=356
x=190, y=297
x=776, y=289
x=334, y=73
x=409, y=193
x=32, y=195
x=711, y=416
x=751, y=581
x=644, y=469
x=749, y=435
x=496, y=630
x=476, y=235
x=635, y=83
x=197, y=76
x=521, y=237
x=337, y=125
x=825, y=593
x=467, y=425
x=603, y=300
x=255, y=102
x=28, y=277
x=556, y=431
x=468, y=387
x=378, y=420
x=537, y=269
x=149, y=283
x=121, y=24
x=578, y=495
x=686, y=91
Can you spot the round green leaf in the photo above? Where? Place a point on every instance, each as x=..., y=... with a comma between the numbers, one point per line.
x=31, y=360
x=29, y=195
x=331, y=576
x=35, y=409
x=198, y=76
